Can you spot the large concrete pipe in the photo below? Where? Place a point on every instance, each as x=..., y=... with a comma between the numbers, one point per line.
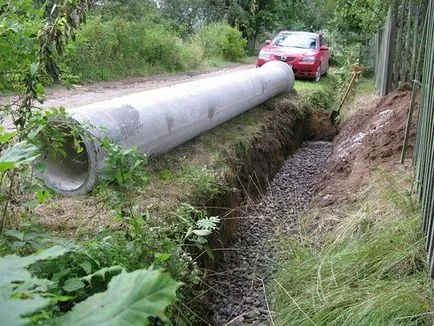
x=158, y=120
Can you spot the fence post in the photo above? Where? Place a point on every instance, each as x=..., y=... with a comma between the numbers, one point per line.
x=406, y=67
x=416, y=84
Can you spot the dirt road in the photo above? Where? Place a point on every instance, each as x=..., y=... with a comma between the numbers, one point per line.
x=95, y=92
x=79, y=95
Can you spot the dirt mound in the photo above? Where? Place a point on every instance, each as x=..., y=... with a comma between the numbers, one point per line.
x=373, y=136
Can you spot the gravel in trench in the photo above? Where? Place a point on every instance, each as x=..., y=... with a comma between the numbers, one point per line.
x=237, y=290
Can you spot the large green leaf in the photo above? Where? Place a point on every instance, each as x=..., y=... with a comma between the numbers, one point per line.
x=131, y=298
x=13, y=310
x=17, y=154
x=14, y=268
x=19, y=291
x=103, y=273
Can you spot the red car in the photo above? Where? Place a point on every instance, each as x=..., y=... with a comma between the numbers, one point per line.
x=307, y=53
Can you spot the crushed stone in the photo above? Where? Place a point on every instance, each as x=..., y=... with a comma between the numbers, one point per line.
x=237, y=285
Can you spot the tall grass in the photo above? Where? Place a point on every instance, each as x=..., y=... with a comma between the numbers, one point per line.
x=116, y=48
x=222, y=41
x=369, y=270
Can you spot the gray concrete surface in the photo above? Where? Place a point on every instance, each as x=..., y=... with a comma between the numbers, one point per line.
x=158, y=120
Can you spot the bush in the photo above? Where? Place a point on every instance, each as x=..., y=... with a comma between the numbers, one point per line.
x=341, y=52
x=109, y=49
x=190, y=54
x=117, y=48
x=222, y=40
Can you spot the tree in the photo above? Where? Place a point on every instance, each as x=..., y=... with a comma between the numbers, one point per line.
x=358, y=18
x=193, y=13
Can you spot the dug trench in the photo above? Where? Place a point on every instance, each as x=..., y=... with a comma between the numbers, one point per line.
x=274, y=182
x=292, y=171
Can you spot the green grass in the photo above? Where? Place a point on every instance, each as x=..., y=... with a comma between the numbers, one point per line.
x=319, y=94
x=369, y=270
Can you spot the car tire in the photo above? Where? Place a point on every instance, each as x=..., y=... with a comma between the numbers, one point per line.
x=318, y=73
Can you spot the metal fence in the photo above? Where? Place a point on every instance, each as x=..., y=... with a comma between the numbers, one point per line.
x=424, y=151
x=404, y=52
x=398, y=45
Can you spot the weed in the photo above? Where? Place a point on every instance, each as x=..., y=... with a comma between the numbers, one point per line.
x=204, y=184
x=318, y=95
x=123, y=166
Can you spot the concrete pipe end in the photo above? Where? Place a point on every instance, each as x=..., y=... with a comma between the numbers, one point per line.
x=287, y=69
x=71, y=173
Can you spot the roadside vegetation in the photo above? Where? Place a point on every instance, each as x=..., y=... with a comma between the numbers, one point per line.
x=361, y=262
x=113, y=49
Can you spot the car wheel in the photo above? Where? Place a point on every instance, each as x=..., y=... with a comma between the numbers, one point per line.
x=318, y=73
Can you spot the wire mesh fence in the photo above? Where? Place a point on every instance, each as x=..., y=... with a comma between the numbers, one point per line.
x=404, y=52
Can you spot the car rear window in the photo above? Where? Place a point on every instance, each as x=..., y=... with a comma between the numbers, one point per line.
x=295, y=41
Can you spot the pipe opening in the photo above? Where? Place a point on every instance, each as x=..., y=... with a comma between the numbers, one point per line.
x=67, y=170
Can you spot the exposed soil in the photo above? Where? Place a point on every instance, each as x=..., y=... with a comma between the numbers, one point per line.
x=320, y=126
x=373, y=136
x=236, y=288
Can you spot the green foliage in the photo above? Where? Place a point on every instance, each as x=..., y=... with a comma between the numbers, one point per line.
x=221, y=40
x=18, y=22
x=118, y=48
x=359, y=18
x=128, y=9
x=22, y=294
x=17, y=154
x=206, y=185
x=199, y=226
x=14, y=268
x=123, y=166
x=319, y=95
x=40, y=287
x=131, y=298
x=368, y=270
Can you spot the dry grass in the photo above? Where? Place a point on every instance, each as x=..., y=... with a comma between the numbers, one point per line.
x=366, y=98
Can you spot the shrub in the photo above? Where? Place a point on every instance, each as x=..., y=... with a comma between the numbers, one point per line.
x=222, y=40
x=109, y=49
x=190, y=54
x=341, y=52
x=117, y=48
